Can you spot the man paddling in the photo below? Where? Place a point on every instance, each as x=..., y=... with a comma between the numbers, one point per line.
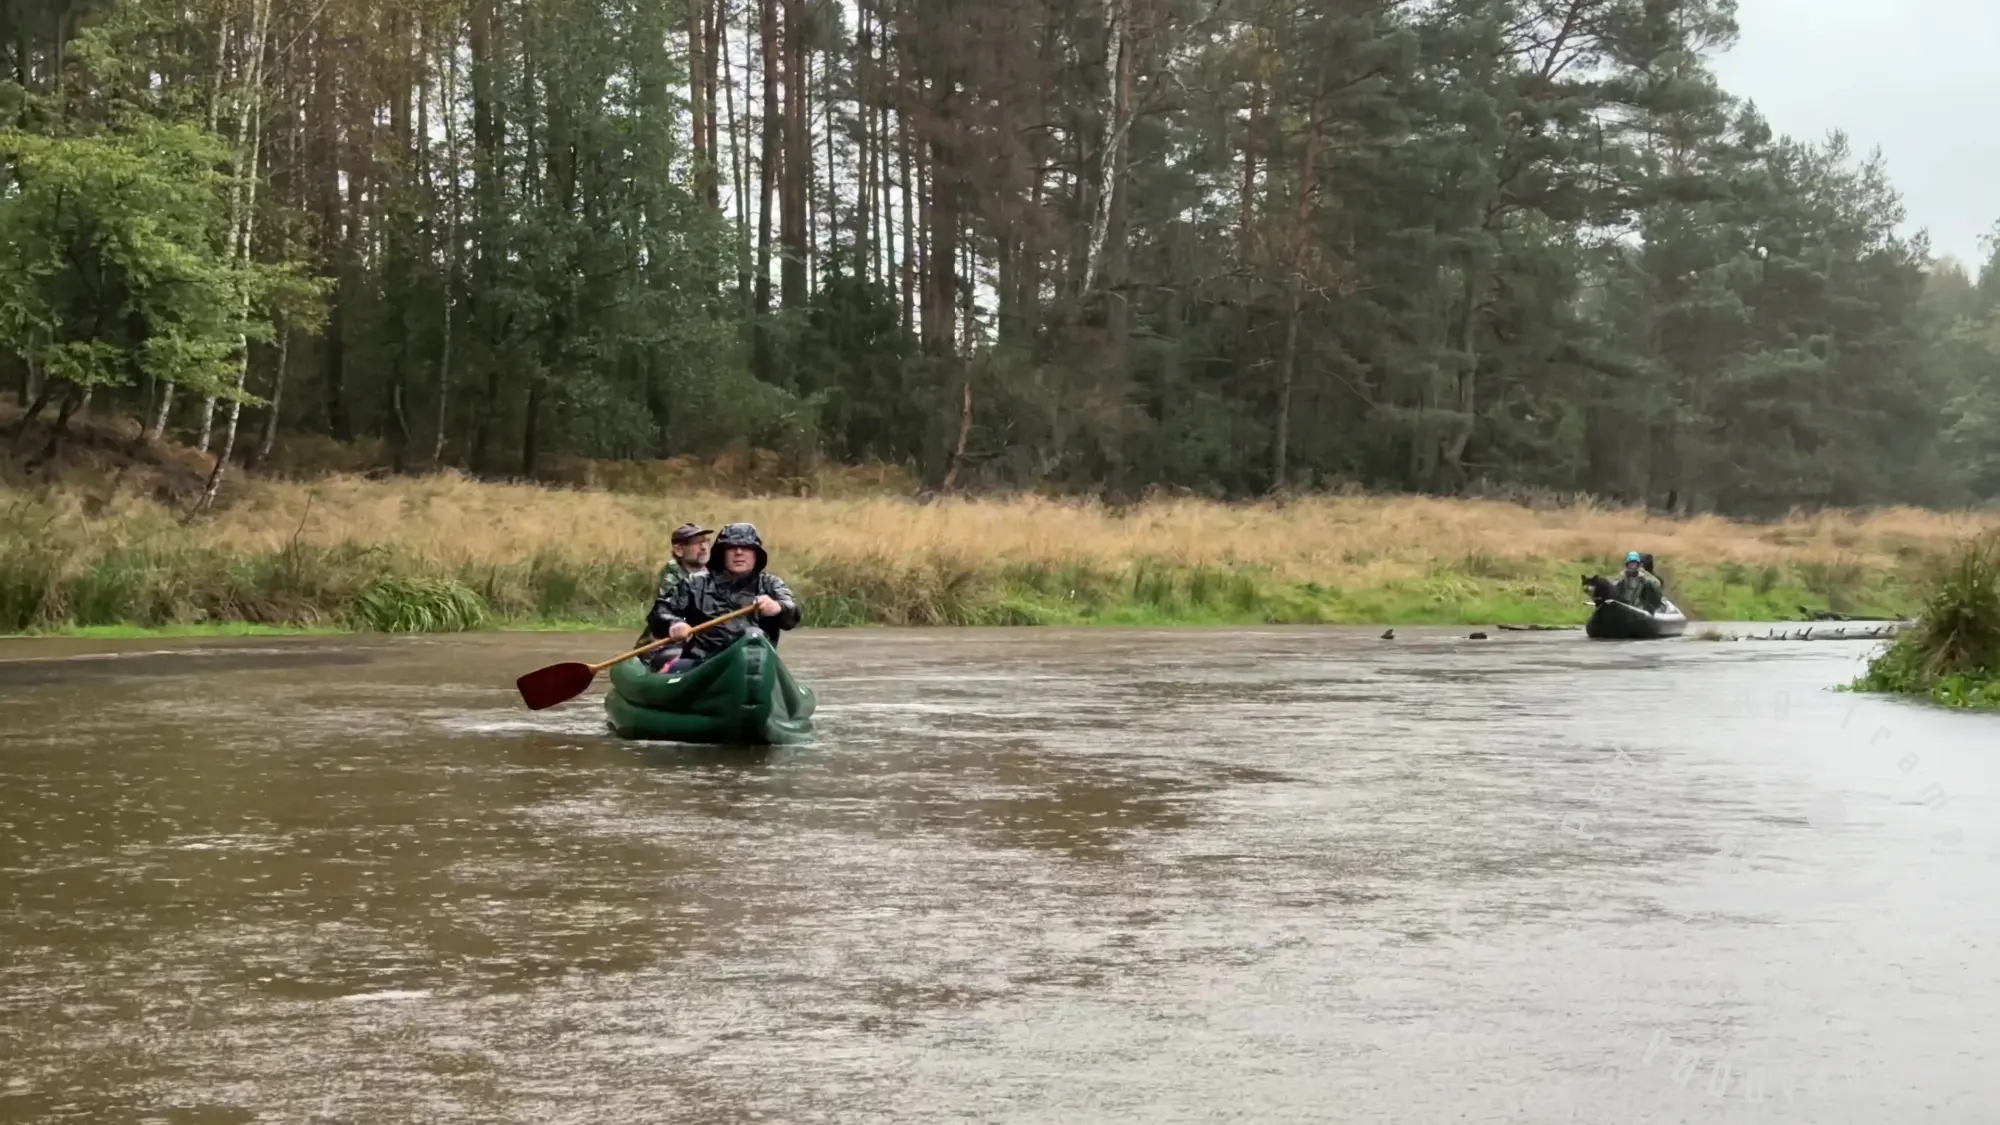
x=1637, y=586
x=739, y=581
x=690, y=557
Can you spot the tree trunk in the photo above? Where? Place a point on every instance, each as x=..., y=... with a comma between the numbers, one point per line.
x=397, y=239
x=1466, y=397
x=34, y=411
x=73, y=397
x=809, y=261
x=1117, y=219
x=333, y=228
x=1007, y=286
x=157, y=430
x=767, y=168
x=715, y=16
x=833, y=178
x=944, y=227
x=270, y=438
x=32, y=383
x=159, y=427
x=452, y=207
x=739, y=174
x=531, y=429
x=488, y=138
x=1302, y=223
x=243, y=213
x=797, y=160
x=868, y=236
x=907, y=187
x=207, y=423
x=767, y=184
x=885, y=183
x=704, y=155
x=1118, y=115
x=1287, y=363
x=1248, y=209
x=957, y=463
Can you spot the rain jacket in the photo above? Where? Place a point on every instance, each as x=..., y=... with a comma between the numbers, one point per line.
x=709, y=595
x=675, y=573
x=672, y=576
x=1640, y=588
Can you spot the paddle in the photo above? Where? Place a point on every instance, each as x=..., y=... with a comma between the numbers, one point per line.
x=559, y=683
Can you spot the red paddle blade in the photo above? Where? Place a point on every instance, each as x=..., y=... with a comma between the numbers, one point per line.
x=557, y=683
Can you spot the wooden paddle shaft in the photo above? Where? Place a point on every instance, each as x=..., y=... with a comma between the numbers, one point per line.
x=646, y=648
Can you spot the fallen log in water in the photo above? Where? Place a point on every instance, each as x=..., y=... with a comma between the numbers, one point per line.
x=1884, y=632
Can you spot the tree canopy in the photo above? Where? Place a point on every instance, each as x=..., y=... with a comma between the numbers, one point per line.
x=1233, y=246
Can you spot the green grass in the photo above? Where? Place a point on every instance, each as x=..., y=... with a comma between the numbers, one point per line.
x=251, y=629
x=208, y=629
x=1952, y=656
x=414, y=603
x=195, y=594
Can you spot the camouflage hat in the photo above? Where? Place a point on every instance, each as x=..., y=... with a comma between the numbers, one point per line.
x=688, y=531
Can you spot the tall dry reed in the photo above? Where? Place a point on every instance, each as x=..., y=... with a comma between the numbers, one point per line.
x=1355, y=540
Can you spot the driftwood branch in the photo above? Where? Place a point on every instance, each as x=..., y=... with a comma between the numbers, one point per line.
x=1883, y=632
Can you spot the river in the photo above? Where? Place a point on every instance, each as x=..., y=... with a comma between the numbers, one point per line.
x=1276, y=875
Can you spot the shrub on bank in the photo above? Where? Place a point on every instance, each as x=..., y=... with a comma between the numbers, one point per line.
x=402, y=603
x=1952, y=656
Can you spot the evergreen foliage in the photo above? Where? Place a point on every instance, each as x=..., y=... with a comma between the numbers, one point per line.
x=1231, y=246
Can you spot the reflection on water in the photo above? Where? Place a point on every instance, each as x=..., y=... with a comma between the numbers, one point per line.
x=1276, y=875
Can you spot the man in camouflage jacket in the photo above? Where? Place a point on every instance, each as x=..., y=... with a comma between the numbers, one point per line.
x=690, y=557
x=1637, y=586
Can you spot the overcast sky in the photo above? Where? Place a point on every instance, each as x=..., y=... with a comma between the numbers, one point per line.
x=1919, y=78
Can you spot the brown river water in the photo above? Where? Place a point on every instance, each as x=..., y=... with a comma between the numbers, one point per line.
x=1279, y=875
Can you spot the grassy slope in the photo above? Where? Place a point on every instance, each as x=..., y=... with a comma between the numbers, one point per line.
x=443, y=552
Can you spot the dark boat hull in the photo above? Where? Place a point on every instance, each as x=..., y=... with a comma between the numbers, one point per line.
x=741, y=696
x=1618, y=621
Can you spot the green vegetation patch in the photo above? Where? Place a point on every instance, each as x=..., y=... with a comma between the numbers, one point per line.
x=1952, y=656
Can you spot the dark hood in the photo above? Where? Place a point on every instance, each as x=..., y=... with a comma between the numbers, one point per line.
x=737, y=535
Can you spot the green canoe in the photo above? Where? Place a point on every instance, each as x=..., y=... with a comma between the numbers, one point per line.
x=741, y=696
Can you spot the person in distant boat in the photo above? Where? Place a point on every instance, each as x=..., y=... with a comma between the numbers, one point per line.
x=739, y=580
x=1637, y=586
x=690, y=557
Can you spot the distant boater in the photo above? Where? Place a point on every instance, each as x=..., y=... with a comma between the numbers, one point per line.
x=1638, y=586
x=1635, y=607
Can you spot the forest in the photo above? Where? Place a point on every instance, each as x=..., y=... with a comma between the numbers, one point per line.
x=1226, y=247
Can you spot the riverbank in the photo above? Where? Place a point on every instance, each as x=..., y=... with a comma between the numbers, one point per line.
x=1952, y=654
x=445, y=553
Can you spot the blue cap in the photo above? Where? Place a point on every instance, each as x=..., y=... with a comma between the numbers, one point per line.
x=1632, y=556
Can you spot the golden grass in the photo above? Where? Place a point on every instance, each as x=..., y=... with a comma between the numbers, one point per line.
x=622, y=512
x=442, y=547
x=452, y=521
x=95, y=539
